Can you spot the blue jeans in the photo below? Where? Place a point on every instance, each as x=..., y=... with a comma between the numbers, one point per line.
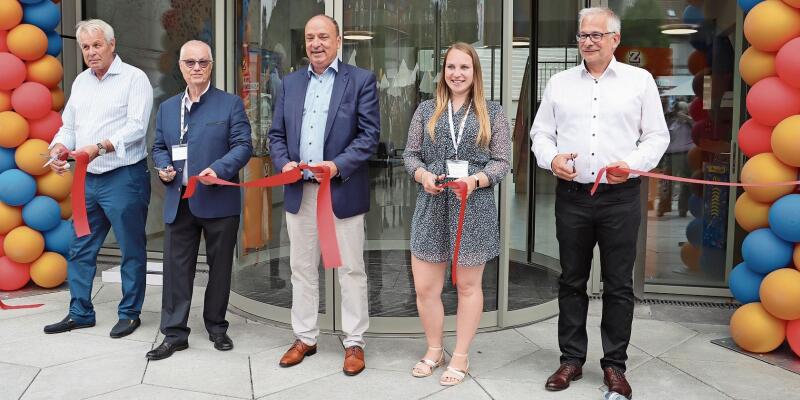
x=117, y=199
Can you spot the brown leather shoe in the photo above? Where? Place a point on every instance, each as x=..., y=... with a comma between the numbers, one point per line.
x=565, y=374
x=353, y=360
x=616, y=382
x=297, y=353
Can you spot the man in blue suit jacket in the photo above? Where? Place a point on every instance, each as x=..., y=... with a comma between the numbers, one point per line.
x=327, y=114
x=204, y=132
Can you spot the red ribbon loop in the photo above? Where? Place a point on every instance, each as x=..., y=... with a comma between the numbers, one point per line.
x=463, y=198
x=4, y=306
x=79, y=219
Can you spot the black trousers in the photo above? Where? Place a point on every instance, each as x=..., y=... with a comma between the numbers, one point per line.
x=181, y=244
x=611, y=219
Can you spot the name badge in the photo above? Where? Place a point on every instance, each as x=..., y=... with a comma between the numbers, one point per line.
x=457, y=169
x=179, y=152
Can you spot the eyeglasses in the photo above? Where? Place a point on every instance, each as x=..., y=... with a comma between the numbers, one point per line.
x=191, y=63
x=595, y=36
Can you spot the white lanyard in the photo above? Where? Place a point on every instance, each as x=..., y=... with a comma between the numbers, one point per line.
x=184, y=128
x=457, y=140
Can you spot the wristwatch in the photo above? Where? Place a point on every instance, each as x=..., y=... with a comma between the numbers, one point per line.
x=101, y=150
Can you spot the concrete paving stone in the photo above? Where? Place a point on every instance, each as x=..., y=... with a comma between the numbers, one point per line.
x=658, y=380
x=208, y=371
x=700, y=348
x=721, y=330
x=506, y=389
x=466, y=390
x=47, y=350
x=656, y=337
x=15, y=379
x=493, y=350
x=90, y=376
x=198, y=336
x=48, y=306
x=151, y=392
x=745, y=379
x=395, y=354
x=370, y=384
x=106, y=317
x=253, y=339
x=16, y=329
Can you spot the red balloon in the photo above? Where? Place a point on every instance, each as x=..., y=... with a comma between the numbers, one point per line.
x=45, y=128
x=696, y=110
x=32, y=100
x=755, y=138
x=13, y=275
x=3, y=45
x=793, y=336
x=14, y=71
x=787, y=63
x=770, y=101
x=702, y=130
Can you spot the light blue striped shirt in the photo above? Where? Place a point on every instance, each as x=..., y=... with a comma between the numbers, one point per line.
x=116, y=107
x=315, y=114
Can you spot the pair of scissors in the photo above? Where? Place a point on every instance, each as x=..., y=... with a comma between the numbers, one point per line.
x=60, y=156
x=571, y=161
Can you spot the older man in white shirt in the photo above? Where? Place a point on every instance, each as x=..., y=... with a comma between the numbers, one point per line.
x=601, y=113
x=106, y=117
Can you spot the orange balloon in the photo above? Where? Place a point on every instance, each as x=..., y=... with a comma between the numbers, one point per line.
x=695, y=158
x=690, y=255
x=49, y=270
x=793, y=3
x=46, y=70
x=755, y=65
x=66, y=208
x=751, y=214
x=54, y=185
x=10, y=217
x=770, y=24
x=10, y=14
x=796, y=256
x=29, y=157
x=756, y=330
x=5, y=100
x=780, y=293
x=786, y=141
x=13, y=129
x=27, y=42
x=23, y=244
x=58, y=98
x=766, y=168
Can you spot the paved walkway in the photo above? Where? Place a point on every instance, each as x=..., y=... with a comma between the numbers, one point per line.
x=668, y=360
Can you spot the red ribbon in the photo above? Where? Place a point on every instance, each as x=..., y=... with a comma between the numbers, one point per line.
x=4, y=306
x=603, y=171
x=329, y=245
x=463, y=197
x=79, y=219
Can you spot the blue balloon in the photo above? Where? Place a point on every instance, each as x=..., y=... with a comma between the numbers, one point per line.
x=7, y=159
x=748, y=5
x=764, y=251
x=692, y=15
x=696, y=205
x=784, y=217
x=54, y=44
x=16, y=187
x=42, y=213
x=46, y=15
x=30, y=1
x=694, y=232
x=744, y=284
x=59, y=239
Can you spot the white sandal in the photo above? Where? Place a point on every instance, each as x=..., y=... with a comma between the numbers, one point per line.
x=454, y=376
x=420, y=370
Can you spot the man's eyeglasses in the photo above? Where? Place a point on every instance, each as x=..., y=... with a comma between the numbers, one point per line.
x=191, y=63
x=594, y=36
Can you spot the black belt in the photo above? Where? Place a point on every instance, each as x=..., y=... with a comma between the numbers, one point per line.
x=603, y=187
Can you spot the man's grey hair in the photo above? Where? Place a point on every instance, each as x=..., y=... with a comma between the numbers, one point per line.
x=197, y=43
x=94, y=25
x=613, y=24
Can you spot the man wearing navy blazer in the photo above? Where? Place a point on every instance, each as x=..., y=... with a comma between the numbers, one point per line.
x=326, y=114
x=203, y=131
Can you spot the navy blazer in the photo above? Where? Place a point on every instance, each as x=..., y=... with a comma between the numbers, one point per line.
x=218, y=137
x=352, y=133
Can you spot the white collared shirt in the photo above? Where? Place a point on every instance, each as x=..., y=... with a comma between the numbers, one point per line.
x=616, y=117
x=187, y=103
x=116, y=107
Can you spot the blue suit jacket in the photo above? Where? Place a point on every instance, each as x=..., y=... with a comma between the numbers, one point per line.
x=218, y=137
x=352, y=133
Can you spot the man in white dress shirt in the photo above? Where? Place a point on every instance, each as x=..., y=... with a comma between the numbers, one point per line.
x=601, y=113
x=106, y=117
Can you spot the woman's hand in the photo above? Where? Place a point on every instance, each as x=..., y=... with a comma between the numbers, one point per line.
x=429, y=181
x=470, y=181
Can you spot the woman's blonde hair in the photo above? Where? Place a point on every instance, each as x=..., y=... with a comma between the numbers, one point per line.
x=477, y=97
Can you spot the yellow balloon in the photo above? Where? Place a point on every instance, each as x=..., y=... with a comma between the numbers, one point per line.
x=786, y=141
x=756, y=330
x=54, y=185
x=751, y=214
x=49, y=270
x=755, y=65
x=780, y=293
x=29, y=157
x=66, y=208
x=770, y=24
x=10, y=217
x=23, y=244
x=766, y=168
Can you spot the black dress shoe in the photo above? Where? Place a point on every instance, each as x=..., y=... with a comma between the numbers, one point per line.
x=222, y=341
x=65, y=325
x=124, y=327
x=165, y=350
